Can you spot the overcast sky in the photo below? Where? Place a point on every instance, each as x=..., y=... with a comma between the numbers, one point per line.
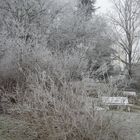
x=105, y=5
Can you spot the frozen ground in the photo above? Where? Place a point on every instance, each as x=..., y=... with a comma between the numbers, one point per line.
x=126, y=124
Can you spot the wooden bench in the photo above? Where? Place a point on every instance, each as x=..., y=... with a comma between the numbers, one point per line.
x=115, y=102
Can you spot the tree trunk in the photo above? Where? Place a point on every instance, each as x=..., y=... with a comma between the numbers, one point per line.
x=1, y=109
x=130, y=65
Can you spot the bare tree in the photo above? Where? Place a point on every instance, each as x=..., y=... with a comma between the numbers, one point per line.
x=126, y=25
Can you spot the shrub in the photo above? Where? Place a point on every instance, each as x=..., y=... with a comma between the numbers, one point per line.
x=57, y=113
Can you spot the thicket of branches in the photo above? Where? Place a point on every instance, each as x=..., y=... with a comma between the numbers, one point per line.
x=44, y=47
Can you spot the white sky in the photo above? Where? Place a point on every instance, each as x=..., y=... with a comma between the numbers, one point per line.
x=105, y=6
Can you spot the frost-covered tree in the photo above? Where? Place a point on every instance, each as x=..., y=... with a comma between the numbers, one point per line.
x=28, y=22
